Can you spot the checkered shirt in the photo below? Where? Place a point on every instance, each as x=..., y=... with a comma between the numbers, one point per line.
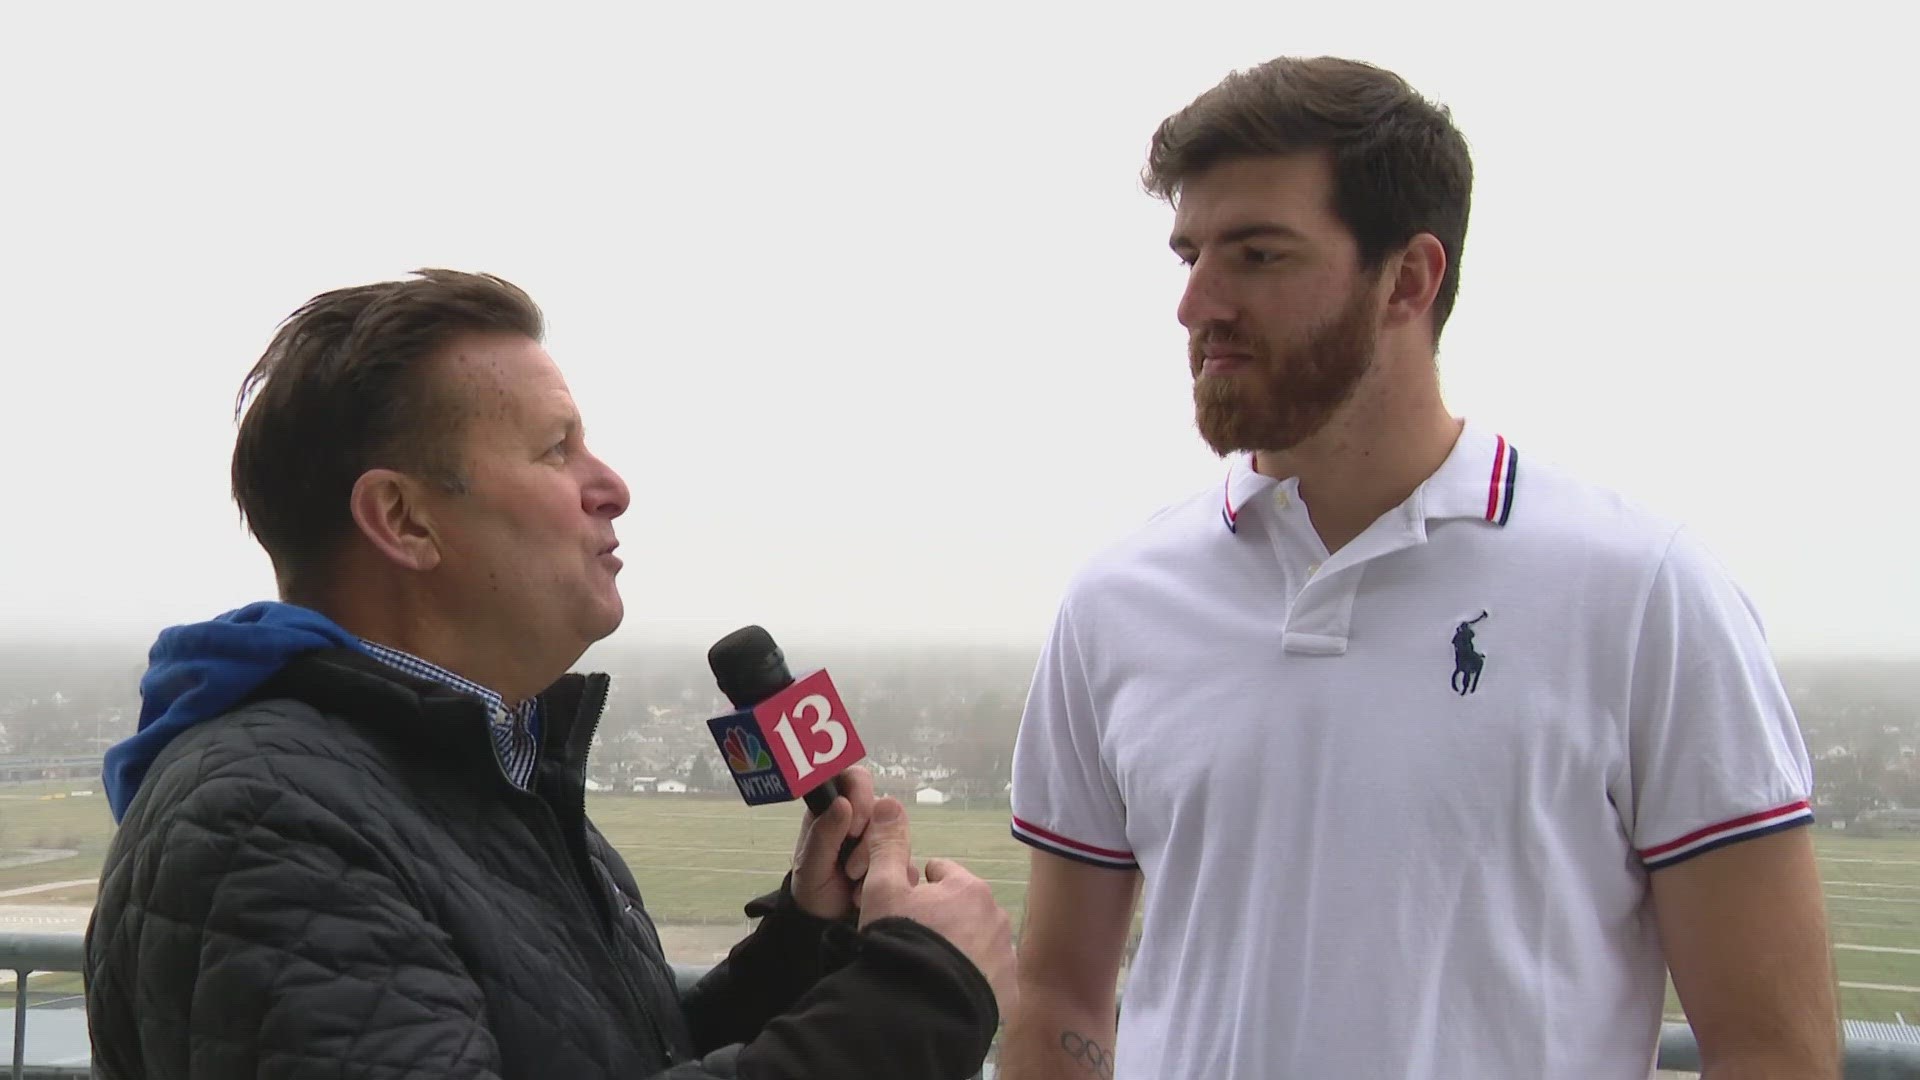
x=513, y=729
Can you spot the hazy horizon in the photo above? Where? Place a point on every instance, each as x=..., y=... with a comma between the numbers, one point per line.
x=869, y=308
x=820, y=650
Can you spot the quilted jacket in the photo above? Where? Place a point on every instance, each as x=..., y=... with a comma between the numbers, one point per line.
x=335, y=878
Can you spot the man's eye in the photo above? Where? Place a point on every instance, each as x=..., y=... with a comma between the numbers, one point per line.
x=1257, y=257
x=558, y=450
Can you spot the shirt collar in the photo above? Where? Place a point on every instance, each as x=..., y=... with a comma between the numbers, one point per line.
x=1242, y=485
x=410, y=664
x=1476, y=481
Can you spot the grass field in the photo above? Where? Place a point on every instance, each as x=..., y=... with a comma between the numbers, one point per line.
x=700, y=860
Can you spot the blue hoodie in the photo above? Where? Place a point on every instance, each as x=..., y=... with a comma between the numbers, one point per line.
x=200, y=670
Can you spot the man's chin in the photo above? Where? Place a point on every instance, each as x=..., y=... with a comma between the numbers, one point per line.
x=613, y=611
x=1224, y=436
x=599, y=615
x=1221, y=447
x=1224, y=418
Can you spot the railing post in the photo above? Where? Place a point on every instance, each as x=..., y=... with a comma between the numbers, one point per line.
x=20, y=1023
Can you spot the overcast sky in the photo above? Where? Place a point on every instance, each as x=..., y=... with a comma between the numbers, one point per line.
x=867, y=305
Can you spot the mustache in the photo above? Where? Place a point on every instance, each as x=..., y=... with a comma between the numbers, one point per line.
x=1226, y=337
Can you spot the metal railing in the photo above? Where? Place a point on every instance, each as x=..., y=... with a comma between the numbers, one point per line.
x=27, y=954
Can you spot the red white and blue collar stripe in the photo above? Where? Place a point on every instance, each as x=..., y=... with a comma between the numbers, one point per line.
x=1478, y=480
x=1244, y=481
x=1506, y=466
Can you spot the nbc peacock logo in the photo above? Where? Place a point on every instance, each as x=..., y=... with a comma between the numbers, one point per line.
x=744, y=753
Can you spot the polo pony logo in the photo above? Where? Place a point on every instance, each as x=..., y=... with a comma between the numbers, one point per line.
x=1467, y=661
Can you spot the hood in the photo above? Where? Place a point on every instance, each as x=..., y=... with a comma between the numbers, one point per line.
x=199, y=670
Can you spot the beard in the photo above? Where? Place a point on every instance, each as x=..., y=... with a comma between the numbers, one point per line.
x=1283, y=397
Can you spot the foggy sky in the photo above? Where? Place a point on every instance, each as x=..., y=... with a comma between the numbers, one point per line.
x=866, y=304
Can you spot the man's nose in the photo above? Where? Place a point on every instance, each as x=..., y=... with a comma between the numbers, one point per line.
x=607, y=495
x=1205, y=302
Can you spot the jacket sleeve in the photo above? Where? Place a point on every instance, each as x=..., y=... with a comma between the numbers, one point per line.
x=247, y=933
x=252, y=934
x=803, y=998
x=767, y=972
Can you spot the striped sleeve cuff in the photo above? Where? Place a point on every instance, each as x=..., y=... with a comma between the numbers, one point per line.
x=1727, y=832
x=1054, y=843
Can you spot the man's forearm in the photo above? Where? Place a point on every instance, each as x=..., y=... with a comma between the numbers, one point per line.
x=1809, y=1049
x=1787, y=1063
x=1054, y=1040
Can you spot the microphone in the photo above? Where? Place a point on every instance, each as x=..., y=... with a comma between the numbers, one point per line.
x=787, y=738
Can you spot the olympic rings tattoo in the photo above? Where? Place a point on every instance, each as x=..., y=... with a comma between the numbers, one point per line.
x=1088, y=1053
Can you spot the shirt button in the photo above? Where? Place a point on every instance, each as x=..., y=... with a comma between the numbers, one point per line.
x=1312, y=570
x=1280, y=498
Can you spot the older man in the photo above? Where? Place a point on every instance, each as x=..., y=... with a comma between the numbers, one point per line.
x=353, y=837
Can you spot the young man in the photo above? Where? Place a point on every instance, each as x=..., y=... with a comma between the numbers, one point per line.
x=1432, y=759
x=353, y=838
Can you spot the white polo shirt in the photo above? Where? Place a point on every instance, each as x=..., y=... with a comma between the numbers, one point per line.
x=1396, y=807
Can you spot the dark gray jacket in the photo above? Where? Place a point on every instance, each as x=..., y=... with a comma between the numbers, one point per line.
x=337, y=879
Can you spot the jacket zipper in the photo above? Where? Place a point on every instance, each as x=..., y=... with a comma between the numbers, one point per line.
x=614, y=906
x=582, y=882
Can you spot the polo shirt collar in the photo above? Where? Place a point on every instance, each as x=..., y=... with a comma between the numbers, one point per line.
x=1476, y=481
x=1242, y=485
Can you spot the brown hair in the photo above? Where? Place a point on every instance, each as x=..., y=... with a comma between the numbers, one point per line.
x=346, y=386
x=1400, y=167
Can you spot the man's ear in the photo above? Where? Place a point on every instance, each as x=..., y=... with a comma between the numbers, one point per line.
x=391, y=511
x=1416, y=275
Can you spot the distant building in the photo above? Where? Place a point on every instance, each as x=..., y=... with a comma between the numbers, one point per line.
x=927, y=796
x=671, y=787
x=1890, y=820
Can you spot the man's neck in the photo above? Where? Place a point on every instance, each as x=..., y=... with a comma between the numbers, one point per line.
x=445, y=653
x=1369, y=459
x=502, y=667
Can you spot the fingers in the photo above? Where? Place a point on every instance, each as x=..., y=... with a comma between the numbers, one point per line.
x=858, y=860
x=820, y=842
x=860, y=884
x=889, y=855
x=941, y=869
x=856, y=786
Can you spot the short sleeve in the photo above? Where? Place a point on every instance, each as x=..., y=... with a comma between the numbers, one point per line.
x=1716, y=753
x=1065, y=800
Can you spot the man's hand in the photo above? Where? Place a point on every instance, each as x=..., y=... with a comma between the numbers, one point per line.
x=820, y=887
x=952, y=902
